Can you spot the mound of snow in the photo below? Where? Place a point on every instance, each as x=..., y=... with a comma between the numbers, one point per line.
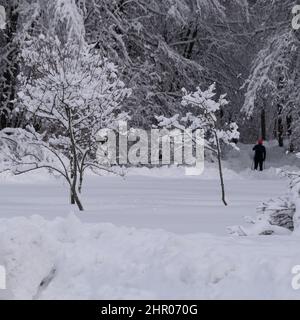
x=68, y=259
x=210, y=172
x=33, y=177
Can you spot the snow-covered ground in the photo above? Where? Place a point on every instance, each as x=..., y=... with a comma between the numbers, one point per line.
x=164, y=199
x=155, y=234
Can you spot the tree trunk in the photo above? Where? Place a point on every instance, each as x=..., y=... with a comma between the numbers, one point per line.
x=80, y=182
x=189, y=50
x=73, y=162
x=72, y=179
x=263, y=125
x=76, y=199
x=280, y=128
x=289, y=121
x=11, y=69
x=280, y=132
x=220, y=169
x=72, y=199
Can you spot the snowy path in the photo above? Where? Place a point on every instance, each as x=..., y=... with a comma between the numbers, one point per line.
x=176, y=204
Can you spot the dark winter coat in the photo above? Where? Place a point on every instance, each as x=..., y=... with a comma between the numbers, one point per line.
x=260, y=152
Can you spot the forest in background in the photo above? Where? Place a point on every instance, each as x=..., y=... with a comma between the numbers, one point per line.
x=247, y=47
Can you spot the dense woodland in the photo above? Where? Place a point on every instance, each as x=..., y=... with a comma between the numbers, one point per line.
x=247, y=47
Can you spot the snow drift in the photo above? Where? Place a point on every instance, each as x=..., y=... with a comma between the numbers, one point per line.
x=68, y=259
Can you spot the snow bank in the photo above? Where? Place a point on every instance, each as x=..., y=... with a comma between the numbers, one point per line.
x=210, y=172
x=33, y=177
x=67, y=259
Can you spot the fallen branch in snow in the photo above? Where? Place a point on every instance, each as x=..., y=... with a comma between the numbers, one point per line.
x=263, y=228
x=45, y=283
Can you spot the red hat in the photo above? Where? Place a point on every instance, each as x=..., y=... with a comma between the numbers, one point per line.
x=260, y=141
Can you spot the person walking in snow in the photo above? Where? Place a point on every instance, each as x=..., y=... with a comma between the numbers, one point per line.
x=260, y=155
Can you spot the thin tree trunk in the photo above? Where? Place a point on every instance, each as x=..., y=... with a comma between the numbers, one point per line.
x=187, y=38
x=263, y=124
x=289, y=121
x=220, y=169
x=72, y=199
x=189, y=51
x=80, y=182
x=280, y=132
x=76, y=199
x=280, y=128
x=72, y=179
x=74, y=163
x=9, y=77
x=81, y=173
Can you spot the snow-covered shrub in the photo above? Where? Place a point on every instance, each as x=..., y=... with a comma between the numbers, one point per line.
x=276, y=216
x=295, y=195
x=278, y=212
